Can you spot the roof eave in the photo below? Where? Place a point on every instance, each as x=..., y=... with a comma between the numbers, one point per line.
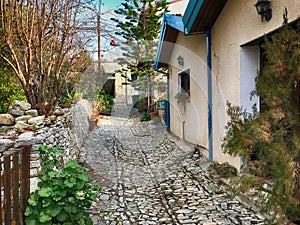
x=191, y=13
x=200, y=15
x=170, y=23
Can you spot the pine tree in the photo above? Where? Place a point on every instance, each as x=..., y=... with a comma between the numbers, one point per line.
x=272, y=135
x=140, y=30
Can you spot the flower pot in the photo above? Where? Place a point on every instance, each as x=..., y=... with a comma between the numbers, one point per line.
x=64, y=105
x=152, y=115
x=93, y=124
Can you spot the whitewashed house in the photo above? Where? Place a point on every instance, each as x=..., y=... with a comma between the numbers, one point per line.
x=213, y=53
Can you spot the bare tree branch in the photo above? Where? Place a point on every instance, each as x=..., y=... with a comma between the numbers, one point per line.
x=44, y=45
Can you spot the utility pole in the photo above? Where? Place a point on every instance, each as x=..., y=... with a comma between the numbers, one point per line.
x=99, y=80
x=99, y=32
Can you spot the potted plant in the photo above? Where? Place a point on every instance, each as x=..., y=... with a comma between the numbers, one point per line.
x=182, y=97
x=153, y=114
x=65, y=103
x=104, y=103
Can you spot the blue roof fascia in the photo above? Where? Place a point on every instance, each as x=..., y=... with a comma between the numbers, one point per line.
x=160, y=42
x=175, y=22
x=191, y=13
x=170, y=20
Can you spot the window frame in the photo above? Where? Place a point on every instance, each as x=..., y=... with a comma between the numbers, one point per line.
x=187, y=86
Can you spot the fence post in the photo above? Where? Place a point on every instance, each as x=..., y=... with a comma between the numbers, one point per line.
x=14, y=185
x=25, y=178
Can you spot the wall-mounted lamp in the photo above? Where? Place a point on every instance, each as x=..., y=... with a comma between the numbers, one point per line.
x=263, y=8
x=180, y=61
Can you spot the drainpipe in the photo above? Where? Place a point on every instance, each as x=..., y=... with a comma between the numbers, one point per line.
x=167, y=106
x=209, y=95
x=183, y=130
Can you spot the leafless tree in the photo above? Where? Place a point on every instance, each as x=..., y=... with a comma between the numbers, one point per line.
x=44, y=45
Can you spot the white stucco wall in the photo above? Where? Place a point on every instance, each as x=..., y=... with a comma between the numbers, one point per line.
x=192, y=115
x=238, y=24
x=233, y=70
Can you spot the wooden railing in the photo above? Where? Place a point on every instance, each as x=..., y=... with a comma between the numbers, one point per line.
x=15, y=185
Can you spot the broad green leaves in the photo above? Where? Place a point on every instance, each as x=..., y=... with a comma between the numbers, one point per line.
x=64, y=193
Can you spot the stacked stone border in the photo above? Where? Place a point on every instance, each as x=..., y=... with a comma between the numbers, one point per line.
x=67, y=131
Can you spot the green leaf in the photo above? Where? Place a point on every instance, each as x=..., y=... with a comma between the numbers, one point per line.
x=33, y=199
x=28, y=211
x=70, y=182
x=45, y=192
x=57, y=198
x=46, y=202
x=67, y=223
x=71, y=200
x=80, y=185
x=62, y=216
x=71, y=208
x=58, y=182
x=54, y=210
x=63, y=195
x=89, y=221
x=44, y=217
x=43, y=149
x=59, y=193
x=72, y=164
x=30, y=221
x=96, y=188
x=57, y=150
x=52, y=174
x=80, y=195
x=84, y=177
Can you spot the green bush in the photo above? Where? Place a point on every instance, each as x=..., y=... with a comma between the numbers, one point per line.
x=78, y=96
x=145, y=117
x=10, y=88
x=268, y=140
x=64, y=193
x=105, y=103
x=66, y=101
x=223, y=170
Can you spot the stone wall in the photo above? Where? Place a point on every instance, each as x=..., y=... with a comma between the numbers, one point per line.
x=66, y=129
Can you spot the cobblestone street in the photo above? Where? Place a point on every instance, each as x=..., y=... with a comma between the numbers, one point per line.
x=149, y=176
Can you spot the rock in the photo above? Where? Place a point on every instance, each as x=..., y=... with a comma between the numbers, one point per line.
x=5, y=144
x=23, y=118
x=20, y=125
x=21, y=105
x=15, y=111
x=26, y=135
x=58, y=112
x=7, y=119
x=27, y=139
x=47, y=121
x=183, y=211
x=32, y=112
x=38, y=125
x=36, y=120
x=11, y=132
x=52, y=117
x=104, y=197
x=51, y=139
x=7, y=131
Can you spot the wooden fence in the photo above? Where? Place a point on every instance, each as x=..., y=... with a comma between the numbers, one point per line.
x=15, y=185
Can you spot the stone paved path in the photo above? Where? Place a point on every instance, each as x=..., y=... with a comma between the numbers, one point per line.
x=150, y=177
